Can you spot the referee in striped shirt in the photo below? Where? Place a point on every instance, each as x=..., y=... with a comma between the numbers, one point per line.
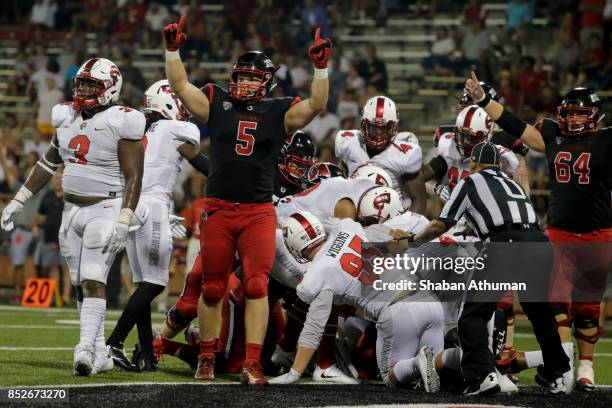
x=500, y=211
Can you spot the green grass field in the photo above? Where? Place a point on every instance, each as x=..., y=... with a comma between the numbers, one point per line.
x=36, y=349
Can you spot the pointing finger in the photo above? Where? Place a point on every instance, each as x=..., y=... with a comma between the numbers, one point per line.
x=317, y=34
x=181, y=23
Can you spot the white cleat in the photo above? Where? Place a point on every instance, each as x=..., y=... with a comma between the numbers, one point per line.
x=282, y=357
x=506, y=385
x=332, y=375
x=83, y=360
x=429, y=375
x=102, y=361
x=585, y=376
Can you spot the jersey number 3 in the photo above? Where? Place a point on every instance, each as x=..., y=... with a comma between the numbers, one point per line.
x=244, y=146
x=80, y=145
x=580, y=167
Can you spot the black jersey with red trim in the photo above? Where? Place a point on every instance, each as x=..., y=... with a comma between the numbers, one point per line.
x=245, y=141
x=580, y=178
x=283, y=189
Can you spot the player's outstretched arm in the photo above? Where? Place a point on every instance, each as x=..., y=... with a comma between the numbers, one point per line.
x=414, y=186
x=504, y=118
x=300, y=114
x=41, y=174
x=194, y=99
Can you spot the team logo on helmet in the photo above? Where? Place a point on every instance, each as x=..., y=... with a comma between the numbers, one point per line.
x=381, y=200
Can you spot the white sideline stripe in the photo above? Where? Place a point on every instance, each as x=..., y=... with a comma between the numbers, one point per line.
x=7, y=308
x=36, y=348
x=531, y=336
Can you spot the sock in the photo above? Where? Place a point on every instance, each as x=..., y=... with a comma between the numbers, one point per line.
x=92, y=316
x=100, y=343
x=145, y=331
x=253, y=351
x=207, y=347
x=534, y=359
x=406, y=370
x=451, y=358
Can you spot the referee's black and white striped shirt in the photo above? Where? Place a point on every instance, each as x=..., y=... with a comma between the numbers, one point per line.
x=488, y=199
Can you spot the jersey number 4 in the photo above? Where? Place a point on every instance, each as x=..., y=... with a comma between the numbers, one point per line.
x=244, y=146
x=80, y=145
x=580, y=167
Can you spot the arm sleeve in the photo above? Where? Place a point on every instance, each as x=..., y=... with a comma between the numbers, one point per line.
x=201, y=163
x=316, y=319
x=457, y=204
x=439, y=166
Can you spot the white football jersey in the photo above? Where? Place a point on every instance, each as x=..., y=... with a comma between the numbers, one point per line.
x=399, y=158
x=408, y=221
x=89, y=147
x=163, y=162
x=459, y=167
x=321, y=199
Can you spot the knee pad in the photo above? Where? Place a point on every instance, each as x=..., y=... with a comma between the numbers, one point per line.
x=560, y=309
x=586, y=316
x=256, y=287
x=213, y=291
x=176, y=320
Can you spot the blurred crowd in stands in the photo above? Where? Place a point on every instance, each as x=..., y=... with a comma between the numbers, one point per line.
x=530, y=65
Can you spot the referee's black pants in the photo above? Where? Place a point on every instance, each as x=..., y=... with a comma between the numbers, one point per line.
x=478, y=360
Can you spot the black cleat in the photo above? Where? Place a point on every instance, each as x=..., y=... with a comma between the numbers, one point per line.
x=120, y=359
x=485, y=385
x=143, y=361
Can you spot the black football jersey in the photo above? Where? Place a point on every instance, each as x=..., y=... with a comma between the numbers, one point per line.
x=282, y=189
x=580, y=178
x=245, y=141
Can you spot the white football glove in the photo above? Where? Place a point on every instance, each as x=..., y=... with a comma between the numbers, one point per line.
x=442, y=191
x=11, y=211
x=117, y=240
x=290, y=378
x=177, y=228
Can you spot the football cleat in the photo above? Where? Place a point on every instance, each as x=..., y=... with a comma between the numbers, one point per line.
x=506, y=385
x=102, y=361
x=553, y=386
x=143, y=361
x=206, y=367
x=585, y=376
x=282, y=357
x=83, y=360
x=429, y=375
x=158, y=346
x=487, y=385
x=332, y=375
x=120, y=359
x=252, y=374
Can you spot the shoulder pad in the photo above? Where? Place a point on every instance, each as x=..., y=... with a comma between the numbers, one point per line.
x=61, y=112
x=128, y=123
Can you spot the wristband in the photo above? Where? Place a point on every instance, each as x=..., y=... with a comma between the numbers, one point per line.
x=172, y=55
x=484, y=101
x=320, y=73
x=23, y=195
x=125, y=215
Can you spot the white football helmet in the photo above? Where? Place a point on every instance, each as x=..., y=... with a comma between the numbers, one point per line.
x=377, y=174
x=379, y=122
x=473, y=126
x=97, y=82
x=302, y=231
x=160, y=98
x=378, y=204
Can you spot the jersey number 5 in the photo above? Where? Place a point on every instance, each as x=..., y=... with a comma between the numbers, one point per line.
x=580, y=167
x=244, y=146
x=80, y=145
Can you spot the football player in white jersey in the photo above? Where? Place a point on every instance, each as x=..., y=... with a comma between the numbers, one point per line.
x=169, y=139
x=100, y=144
x=409, y=333
x=378, y=142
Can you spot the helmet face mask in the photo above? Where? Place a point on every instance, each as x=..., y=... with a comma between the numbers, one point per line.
x=251, y=77
x=97, y=82
x=466, y=139
x=579, y=112
x=293, y=167
x=378, y=134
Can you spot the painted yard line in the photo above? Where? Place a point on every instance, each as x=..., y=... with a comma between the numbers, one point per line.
x=531, y=336
x=36, y=348
x=7, y=308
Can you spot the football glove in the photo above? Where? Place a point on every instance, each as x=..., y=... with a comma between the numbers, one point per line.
x=173, y=34
x=319, y=50
x=177, y=228
x=118, y=239
x=442, y=191
x=290, y=378
x=11, y=211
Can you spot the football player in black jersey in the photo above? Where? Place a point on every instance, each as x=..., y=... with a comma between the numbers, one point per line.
x=580, y=180
x=247, y=132
x=297, y=155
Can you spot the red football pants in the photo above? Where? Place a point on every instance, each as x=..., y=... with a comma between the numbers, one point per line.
x=187, y=303
x=227, y=228
x=580, y=271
